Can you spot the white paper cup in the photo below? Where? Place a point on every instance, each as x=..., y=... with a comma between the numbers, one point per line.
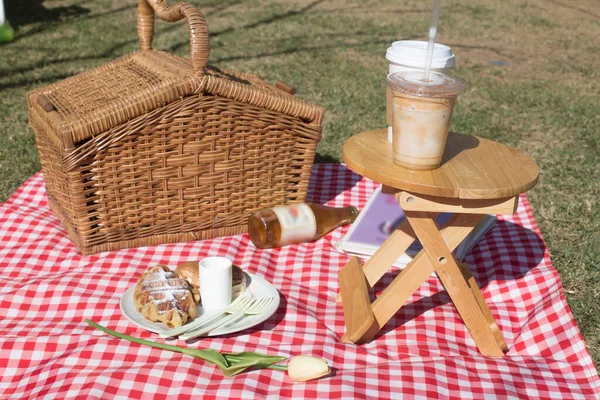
x=215, y=283
x=409, y=55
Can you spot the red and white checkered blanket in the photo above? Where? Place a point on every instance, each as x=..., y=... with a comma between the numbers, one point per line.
x=47, y=290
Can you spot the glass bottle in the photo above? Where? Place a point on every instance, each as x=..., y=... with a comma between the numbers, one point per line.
x=296, y=223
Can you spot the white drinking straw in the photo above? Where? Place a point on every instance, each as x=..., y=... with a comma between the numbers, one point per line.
x=2, y=16
x=431, y=43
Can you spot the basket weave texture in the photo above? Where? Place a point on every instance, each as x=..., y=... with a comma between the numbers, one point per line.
x=154, y=148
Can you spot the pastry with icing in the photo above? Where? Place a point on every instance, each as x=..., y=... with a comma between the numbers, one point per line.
x=162, y=296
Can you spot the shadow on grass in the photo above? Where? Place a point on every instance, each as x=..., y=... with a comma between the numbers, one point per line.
x=42, y=14
x=303, y=49
x=585, y=11
x=21, y=13
x=325, y=159
x=486, y=48
x=112, y=51
x=271, y=19
x=265, y=21
x=30, y=12
x=280, y=17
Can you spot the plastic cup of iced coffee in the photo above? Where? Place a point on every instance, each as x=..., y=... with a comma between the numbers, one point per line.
x=410, y=55
x=421, y=114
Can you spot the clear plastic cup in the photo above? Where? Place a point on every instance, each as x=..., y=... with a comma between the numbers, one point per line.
x=410, y=55
x=421, y=114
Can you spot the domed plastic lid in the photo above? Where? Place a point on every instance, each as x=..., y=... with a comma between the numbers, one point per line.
x=439, y=85
x=412, y=53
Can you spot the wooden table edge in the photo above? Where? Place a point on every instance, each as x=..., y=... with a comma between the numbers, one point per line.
x=466, y=194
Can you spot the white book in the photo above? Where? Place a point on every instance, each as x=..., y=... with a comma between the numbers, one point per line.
x=378, y=219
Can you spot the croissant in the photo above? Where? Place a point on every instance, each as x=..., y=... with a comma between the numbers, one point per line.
x=160, y=296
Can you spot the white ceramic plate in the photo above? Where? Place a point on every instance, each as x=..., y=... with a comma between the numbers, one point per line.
x=258, y=287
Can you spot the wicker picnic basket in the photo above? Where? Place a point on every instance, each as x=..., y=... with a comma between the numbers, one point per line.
x=154, y=148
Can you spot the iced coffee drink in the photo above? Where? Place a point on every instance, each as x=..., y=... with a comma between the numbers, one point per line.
x=421, y=112
x=410, y=55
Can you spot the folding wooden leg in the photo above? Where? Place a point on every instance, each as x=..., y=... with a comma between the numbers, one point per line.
x=398, y=242
x=454, y=282
x=411, y=277
x=464, y=268
x=357, y=303
x=380, y=262
x=364, y=320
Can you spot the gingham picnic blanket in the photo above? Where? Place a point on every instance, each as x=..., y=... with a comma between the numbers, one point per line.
x=47, y=290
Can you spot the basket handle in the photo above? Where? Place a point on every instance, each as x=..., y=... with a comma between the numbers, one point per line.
x=199, y=41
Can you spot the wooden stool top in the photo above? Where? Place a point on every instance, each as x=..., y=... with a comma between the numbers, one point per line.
x=472, y=167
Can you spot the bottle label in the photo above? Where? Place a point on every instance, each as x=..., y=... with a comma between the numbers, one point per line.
x=298, y=223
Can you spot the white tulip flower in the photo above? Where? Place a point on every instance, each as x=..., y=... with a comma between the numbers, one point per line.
x=300, y=368
x=306, y=368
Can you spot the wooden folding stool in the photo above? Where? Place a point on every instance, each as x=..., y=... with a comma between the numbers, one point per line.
x=477, y=177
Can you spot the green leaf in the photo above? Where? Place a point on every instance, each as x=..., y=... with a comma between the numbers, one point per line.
x=229, y=363
x=209, y=355
x=242, y=361
x=134, y=339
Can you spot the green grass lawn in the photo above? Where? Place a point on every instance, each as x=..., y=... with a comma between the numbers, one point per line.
x=531, y=69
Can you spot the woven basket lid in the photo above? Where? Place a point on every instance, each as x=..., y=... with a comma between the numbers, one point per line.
x=105, y=97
